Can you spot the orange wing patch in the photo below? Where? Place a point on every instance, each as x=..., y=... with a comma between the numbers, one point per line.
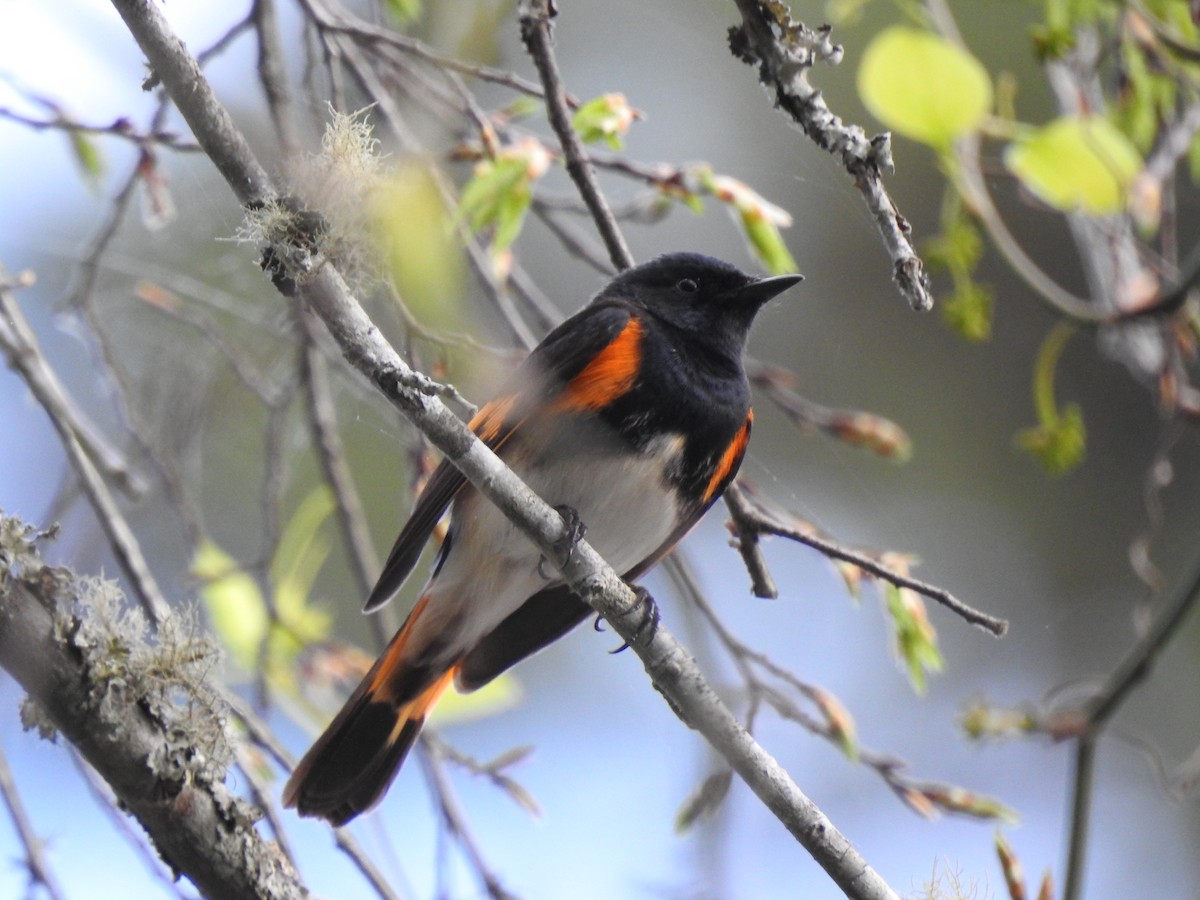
x=489, y=421
x=608, y=376
x=730, y=459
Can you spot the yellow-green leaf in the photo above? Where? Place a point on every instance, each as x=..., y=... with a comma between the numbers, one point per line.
x=969, y=311
x=760, y=218
x=87, y=155
x=1059, y=439
x=705, y=801
x=501, y=190
x=768, y=245
x=1076, y=162
x=916, y=640
x=235, y=604
x=605, y=118
x=496, y=696
x=1059, y=445
x=404, y=10
x=413, y=229
x=294, y=568
x=923, y=86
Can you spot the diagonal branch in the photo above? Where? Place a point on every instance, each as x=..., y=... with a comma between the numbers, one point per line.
x=535, y=18
x=784, y=51
x=40, y=872
x=19, y=346
x=672, y=669
x=133, y=740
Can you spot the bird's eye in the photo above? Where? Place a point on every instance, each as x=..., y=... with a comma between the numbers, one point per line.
x=688, y=286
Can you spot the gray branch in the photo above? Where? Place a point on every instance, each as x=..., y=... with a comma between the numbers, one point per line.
x=784, y=51
x=135, y=736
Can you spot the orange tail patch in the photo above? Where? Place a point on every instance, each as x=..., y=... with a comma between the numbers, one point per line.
x=349, y=768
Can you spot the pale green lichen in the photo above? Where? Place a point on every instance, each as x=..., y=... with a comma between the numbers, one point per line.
x=167, y=677
x=341, y=181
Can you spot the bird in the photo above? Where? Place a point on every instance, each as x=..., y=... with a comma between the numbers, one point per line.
x=631, y=418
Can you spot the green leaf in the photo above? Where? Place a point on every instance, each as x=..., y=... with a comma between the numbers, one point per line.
x=235, y=604
x=958, y=247
x=490, y=187
x=87, y=156
x=1059, y=440
x=923, y=86
x=1058, y=445
x=404, y=10
x=605, y=118
x=499, y=193
x=768, y=244
x=1076, y=162
x=969, y=311
x=298, y=559
x=412, y=228
x=916, y=641
x=705, y=801
x=957, y=250
x=760, y=219
x=240, y=615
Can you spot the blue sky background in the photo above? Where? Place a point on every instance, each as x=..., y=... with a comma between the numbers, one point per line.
x=612, y=765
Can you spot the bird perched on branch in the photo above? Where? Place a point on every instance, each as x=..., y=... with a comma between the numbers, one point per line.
x=631, y=418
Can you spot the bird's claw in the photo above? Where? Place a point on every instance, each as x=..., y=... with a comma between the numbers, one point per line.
x=573, y=532
x=647, y=626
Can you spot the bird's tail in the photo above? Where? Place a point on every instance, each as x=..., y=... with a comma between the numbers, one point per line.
x=349, y=768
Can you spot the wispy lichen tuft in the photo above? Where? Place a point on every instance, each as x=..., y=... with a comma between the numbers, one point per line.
x=339, y=182
x=167, y=677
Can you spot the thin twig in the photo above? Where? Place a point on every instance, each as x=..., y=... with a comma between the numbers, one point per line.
x=756, y=516
x=1135, y=666
x=20, y=345
x=131, y=738
x=322, y=418
x=534, y=16
x=121, y=128
x=44, y=385
x=272, y=74
x=784, y=51
x=456, y=823
x=835, y=726
x=363, y=32
x=262, y=736
x=40, y=873
x=747, y=533
x=1081, y=806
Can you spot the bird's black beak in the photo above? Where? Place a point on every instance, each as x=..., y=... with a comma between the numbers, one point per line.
x=763, y=289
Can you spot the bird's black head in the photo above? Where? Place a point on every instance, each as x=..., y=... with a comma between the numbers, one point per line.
x=699, y=294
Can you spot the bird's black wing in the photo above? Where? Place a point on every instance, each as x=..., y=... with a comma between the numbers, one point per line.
x=562, y=373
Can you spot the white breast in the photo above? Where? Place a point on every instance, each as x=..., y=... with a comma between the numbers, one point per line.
x=492, y=568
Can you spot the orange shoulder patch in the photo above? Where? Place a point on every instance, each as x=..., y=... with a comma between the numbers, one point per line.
x=608, y=376
x=728, y=464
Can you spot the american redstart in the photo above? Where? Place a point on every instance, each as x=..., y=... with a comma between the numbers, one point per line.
x=632, y=415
